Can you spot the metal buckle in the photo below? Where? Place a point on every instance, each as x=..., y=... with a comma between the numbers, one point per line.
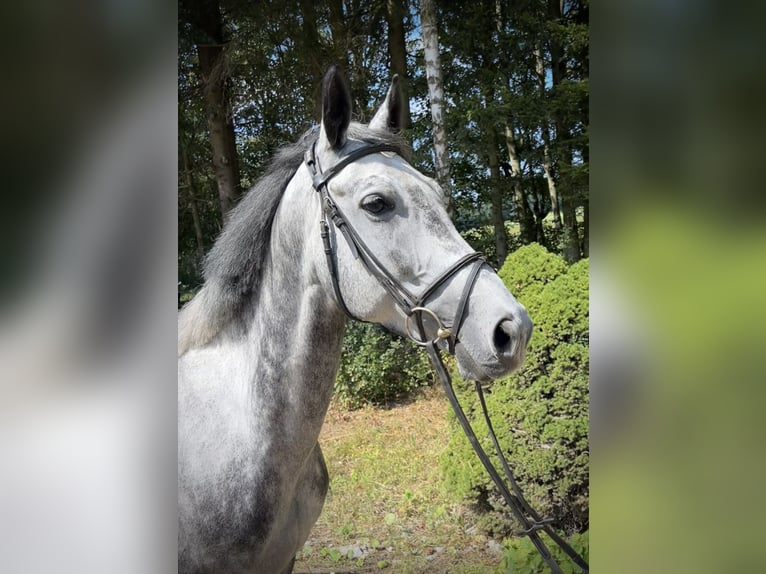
x=442, y=332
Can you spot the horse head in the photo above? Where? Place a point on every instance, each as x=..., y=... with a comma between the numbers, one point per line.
x=391, y=254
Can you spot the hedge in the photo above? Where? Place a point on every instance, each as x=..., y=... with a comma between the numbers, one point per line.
x=521, y=557
x=377, y=366
x=540, y=413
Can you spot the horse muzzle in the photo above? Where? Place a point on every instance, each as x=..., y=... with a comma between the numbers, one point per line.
x=495, y=335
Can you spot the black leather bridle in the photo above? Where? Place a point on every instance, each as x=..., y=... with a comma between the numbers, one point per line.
x=414, y=306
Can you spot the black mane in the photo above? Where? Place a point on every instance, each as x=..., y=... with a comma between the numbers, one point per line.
x=234, y=266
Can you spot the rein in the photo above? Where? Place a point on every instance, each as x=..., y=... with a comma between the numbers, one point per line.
x=415, y=306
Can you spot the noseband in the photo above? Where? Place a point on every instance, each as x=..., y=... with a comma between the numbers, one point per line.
x=413, y=306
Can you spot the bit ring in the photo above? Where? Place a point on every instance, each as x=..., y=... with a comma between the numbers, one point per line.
x=442, y=332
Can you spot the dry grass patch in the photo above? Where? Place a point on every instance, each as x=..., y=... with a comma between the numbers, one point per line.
x=386, y=509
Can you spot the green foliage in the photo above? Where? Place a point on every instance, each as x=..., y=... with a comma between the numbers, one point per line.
x=377, y=366
x=482, y=238
x=332, y=553
x=521, y=557
x=529, y=269
x=540, y=414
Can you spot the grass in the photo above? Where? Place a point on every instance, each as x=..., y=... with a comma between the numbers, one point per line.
x=386, y=511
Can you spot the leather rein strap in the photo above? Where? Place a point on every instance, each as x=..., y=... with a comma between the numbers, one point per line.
x=530, y=520
x=413, y=305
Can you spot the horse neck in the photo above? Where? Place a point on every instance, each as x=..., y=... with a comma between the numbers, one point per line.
x=296, y=333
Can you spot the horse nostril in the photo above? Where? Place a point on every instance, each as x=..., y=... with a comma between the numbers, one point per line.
x=502, y=335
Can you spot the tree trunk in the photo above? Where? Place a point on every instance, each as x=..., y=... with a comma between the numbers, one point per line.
x=571, y=236
x=220, y=126
x=496, y=192
x=311, y=48
x=397, y=50
x=548, y=171
x=539, y=213
x=547, y=163
x=568, y=204
x=206, y=18
x=436, y=95
x=524, y=215
x=585, y=229
x=339, y=34
x=586, y=209
x=526, y=220
x=192, y=196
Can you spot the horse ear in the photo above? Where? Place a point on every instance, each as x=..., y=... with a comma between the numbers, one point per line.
x=336, y=107
x=390, y=116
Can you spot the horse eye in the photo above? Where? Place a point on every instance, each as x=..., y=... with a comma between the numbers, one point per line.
x=375, y=204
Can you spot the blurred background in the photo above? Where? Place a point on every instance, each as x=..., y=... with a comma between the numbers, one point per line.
x=98, y=238
x=677, y=287
x=87, y=287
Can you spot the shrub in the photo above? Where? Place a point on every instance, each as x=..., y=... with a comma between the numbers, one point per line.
x=377, y=366
x=529, y=269
x=540, y=414
x=521, y=557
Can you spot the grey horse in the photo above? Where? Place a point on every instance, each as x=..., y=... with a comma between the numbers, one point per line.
x=259, y=344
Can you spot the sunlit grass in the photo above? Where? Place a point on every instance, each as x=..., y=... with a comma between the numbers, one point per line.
x=386, y=498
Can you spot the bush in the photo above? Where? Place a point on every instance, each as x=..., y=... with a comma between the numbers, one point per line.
x=521, y=557
x=377, y=366
x=540, y=414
